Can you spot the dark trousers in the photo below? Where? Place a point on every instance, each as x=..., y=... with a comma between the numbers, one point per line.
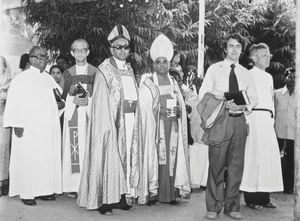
x=257, y=198
x=229, y=154
x=287, y=164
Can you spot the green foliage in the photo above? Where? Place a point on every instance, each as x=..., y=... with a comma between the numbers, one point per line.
x=60, y=23
x=273, y=24
x=278, y=31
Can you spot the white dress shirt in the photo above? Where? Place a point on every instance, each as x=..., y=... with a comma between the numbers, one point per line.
x=216, y=81
x=285, y=114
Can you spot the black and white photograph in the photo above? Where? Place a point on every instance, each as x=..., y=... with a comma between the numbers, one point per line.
x=149, y=110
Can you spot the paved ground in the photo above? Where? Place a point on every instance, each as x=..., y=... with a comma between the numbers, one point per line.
x=65, y=209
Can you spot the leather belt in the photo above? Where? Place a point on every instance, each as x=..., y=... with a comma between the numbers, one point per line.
x=235, y=115
x=264, y=109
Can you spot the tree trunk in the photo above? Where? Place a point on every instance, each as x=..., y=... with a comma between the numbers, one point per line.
x=297, y=138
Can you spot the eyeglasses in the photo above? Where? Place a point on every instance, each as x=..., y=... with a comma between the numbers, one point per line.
x=82, y=50
x=40, y=56
x=267, y=56
x=120, y=47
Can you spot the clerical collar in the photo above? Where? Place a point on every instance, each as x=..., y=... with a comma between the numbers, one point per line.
x=121, y=64
x=258, y=69
x=82, y=70
x=81, y=66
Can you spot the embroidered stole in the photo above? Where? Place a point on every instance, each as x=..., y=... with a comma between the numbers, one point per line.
x=162, y=153
x=87, y=80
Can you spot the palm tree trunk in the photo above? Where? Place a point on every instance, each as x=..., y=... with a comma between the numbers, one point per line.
x=297, y=138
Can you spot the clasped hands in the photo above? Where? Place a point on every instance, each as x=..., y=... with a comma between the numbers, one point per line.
x=167, y=112
x=81, y=101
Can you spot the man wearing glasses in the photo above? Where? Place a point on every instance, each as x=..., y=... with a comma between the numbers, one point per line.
x=262, y=167
x=31, y=110
x=112, y=165
x=79, y=80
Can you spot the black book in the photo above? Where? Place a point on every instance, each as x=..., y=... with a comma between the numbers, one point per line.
x=57, y=95
x=239, y=97
x=79, y=90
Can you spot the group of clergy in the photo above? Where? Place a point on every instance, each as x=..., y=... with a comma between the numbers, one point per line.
x=123, y=142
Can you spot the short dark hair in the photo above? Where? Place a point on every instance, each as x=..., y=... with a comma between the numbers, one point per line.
x=24, y=60
x=237, y=37
x=56, y=66
x=61, y=56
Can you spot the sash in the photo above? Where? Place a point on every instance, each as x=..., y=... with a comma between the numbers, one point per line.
x=73, y=123
x=162, y=155
x=173, y=145
x=74, y=144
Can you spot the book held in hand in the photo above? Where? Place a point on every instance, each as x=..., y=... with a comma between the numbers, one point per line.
x=238, y=97
x=79, y=90
x=57, y=94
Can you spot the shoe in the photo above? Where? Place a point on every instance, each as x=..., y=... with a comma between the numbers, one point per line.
x=46, y=198
x=234, y=215
x=211, y=215
x=173, y=202
x=126, y=207
x=105, y=210
x=255, y=207
x=72, y=195
x=269, y=205
x=151, y=202
x=29, y=202
x=289, y=191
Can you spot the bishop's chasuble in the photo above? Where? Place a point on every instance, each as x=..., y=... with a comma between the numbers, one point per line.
x=113, y=158
x=165, y=141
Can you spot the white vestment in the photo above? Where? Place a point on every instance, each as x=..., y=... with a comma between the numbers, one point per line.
x=198, y=151
x=262, y=165
x=148, y=93
x=130, y=93
x=71, y=180
x=35, y=165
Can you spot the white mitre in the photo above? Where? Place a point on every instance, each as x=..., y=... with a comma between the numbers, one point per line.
x=161, y=47
x=119, y=31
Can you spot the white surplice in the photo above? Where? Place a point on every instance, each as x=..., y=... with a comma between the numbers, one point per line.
x=130, y=93
x=262, y=165
x=71, y=180
x=149, y=106
x=198, y=151
x=35, y=165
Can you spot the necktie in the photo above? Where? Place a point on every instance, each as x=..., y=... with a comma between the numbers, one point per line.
x=233, y=84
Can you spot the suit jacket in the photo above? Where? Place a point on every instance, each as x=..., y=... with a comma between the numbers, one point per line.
x=208, y=107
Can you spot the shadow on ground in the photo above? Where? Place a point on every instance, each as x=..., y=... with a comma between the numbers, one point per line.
x=66, y=209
